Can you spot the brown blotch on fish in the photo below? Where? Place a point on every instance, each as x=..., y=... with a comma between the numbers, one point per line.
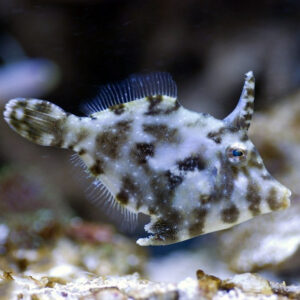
x=172, y=109
x=22, y=104
x=173, y=180
x=130, y=185
x=154, y=101
x=81, y=135
x=97, y=168
x=81, y=152
x=123, y=197
x=154, y=109
x=230, y=214
x=58, y=133
x=130, y=189
x=251, y=79
x=198, y=217
x=17, y=124
x=250, y=92
x=142, y=151
x=162, y=187
x=112, y=139
x=58, y=140
x=253, y=198
x=226, y=186
x=272, y=200
x=233, y=129
x=255, y=164
x=152, y=210
x=162, y=132
x=33, y=133
x=118, y=109
x=235, y=171
x=165, y=230
x=43, y=107
x=123, y=126
x=191, y=163
x=247, y=117
x=245, y=171
x=216, y=136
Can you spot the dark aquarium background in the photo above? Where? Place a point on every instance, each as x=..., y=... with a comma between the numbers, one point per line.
x=64, y=50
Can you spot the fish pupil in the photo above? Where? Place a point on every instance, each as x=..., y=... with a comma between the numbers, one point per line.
x=237, y=152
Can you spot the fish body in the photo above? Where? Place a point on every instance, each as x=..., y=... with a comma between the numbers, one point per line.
x=191, y=173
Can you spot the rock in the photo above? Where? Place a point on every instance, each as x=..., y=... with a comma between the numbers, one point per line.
x=276, y=134
x=244, y=286
x=269, y=242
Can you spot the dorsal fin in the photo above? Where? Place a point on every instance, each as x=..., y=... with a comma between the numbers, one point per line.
x=133, y=88
x=241, y=116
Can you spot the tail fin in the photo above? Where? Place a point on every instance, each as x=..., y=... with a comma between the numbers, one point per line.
x=36, y=120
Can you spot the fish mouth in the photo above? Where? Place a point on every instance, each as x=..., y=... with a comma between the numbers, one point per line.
x=279, y=197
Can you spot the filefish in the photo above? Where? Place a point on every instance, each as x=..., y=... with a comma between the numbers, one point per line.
x=191, y=173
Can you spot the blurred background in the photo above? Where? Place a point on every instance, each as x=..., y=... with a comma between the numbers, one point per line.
x=63, y=50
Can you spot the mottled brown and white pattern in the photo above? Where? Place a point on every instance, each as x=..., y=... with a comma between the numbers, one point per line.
x=190, y=172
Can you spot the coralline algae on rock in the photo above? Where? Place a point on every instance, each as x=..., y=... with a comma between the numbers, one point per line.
x=245, y=286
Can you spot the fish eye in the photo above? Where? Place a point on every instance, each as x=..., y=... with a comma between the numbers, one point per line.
x=236, y=153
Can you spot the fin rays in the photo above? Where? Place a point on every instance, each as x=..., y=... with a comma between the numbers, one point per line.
x=133, y=88
x=100, y=196
x=38, y=121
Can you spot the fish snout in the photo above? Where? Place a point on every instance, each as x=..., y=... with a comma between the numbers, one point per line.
x=285, y=198
x=279, y=197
